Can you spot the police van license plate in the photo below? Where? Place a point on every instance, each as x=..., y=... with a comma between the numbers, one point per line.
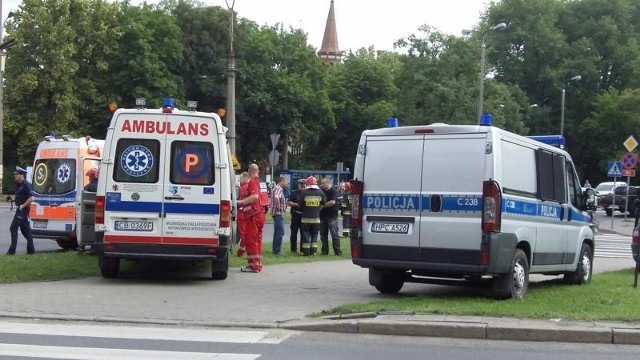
x=39, y=224
x=389, y=228
x=133, y=225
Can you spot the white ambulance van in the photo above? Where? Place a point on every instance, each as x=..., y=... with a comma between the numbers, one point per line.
x=59, y=176
x=467, y=204
x=165, y=189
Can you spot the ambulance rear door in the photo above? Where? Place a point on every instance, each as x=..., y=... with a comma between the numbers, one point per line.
x=134, y=187
x=191, y=194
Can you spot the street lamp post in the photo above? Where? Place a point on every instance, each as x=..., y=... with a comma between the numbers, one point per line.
x=483, y=49
x=564, y=85
x=231, y=83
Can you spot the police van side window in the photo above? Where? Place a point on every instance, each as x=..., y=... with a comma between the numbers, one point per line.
x=192, y=163
x=551, y=176
x=137, y=161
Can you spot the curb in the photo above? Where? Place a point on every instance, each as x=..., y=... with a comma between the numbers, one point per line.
x=407, y=324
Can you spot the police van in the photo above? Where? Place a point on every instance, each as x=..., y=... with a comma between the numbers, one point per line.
x=59, y=170
x=467, y=204
x=165, y=189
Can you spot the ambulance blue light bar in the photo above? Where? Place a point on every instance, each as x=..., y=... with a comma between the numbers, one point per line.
x=167, y=105
x=553, y=140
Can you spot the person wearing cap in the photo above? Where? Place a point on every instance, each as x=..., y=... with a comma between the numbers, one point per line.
x=24, y=197
x=311, y=201
x=92, y=174
x=296, y=215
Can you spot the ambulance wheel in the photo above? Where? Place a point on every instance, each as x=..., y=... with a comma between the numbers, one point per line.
x=387, y=282
x=220, y=268
x=514, y=284
x=109, y=267
x=68, y=244
x=584, y=269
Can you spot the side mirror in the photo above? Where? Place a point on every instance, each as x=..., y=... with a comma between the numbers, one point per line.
x=591, y=200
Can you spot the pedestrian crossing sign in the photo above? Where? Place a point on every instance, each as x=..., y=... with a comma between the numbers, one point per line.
x=614, y=169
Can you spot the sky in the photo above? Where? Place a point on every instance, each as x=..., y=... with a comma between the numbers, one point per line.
x=360, y=23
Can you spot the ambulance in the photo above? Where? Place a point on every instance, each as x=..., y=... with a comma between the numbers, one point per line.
x=468, y=205
x=166, y=189
x=59, y=176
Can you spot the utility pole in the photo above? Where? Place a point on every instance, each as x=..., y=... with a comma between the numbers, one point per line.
x=231, y=82
x=1, y=103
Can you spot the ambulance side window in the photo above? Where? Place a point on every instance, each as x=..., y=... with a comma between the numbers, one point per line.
x=137, y=161
x=192, y=163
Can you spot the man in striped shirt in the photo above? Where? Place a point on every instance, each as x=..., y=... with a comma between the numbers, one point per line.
x=278, y=206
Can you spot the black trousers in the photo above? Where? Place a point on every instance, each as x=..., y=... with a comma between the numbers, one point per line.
x=21, y=220
x=295, y=228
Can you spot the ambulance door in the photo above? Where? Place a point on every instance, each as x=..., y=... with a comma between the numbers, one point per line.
x=134, y=182
x=191, y=193
x=85, y=214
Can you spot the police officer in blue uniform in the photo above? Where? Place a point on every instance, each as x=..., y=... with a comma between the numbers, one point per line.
x=24, y=197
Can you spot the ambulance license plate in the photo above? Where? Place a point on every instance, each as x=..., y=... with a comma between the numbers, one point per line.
x=39, y=224
x=133, y=226
x=389, y=228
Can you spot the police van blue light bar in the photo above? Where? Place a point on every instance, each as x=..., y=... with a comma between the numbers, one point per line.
x=553, y=140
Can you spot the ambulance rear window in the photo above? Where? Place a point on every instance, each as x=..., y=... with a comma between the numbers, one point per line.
x=54, y=176
x=192, y=163
x=137, y=161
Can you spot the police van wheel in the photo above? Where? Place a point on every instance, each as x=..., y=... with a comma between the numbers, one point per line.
x=68, y=244
x=387, y=282
x=583, y=272
x=220, y=268
x=109, y=267
x=514, y=284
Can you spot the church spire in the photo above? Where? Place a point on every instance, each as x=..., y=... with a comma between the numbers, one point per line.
x=329, y=52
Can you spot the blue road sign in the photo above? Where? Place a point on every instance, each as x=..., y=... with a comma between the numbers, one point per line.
x=614, y=169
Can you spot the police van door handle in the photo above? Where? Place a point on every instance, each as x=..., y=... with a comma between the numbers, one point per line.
x=175, y=197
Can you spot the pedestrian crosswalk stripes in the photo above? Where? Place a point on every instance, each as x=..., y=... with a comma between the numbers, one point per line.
x=86, y=353
x=141, y=332
x=124, y=341
x=613, y=246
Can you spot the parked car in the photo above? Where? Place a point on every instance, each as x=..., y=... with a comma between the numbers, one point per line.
x=621, y=203
x=606, y=188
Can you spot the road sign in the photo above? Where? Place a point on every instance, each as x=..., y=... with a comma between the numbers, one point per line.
x=628, y=172
x=274, y=139
x=614, y=169
x=629, y=160
x=236, y=163
x=630, y=143
x=274, y=157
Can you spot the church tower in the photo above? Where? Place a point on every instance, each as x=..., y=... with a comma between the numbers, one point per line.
x=329, y=52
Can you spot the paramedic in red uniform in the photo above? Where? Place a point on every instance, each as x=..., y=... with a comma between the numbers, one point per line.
x=242, y=223
x=254, y=222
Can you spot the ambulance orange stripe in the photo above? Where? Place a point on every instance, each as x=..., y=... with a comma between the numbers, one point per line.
x=161, y=240
x=54, y=213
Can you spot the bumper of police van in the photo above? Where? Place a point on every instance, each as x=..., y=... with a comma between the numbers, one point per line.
x=164, y=251
x=438, y=262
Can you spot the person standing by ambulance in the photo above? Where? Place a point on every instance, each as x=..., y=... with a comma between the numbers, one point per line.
x=278, y=206
x=329, y=219
x=296, y=215
x=242, y=218
x=24, y=197
x=311, y=201
x=254, y=222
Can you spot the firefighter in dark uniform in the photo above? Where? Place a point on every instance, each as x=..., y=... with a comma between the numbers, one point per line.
x=311, y=201
x=24, y=197
x=296, y=215
x=345, y=209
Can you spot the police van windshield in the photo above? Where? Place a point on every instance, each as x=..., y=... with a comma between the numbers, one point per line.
x=54, y=176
